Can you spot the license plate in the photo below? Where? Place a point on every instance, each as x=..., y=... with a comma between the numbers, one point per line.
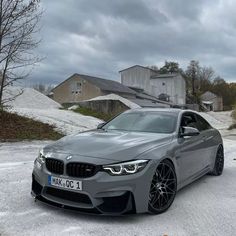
x=65, y=183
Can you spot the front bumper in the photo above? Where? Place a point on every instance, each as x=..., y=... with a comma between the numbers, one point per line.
x=101, y=194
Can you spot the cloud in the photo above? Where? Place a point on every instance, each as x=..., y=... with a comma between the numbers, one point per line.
x=102, y=37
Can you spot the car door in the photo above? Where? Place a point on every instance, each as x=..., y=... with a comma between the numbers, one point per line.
x=207, y=134
x=190, y=150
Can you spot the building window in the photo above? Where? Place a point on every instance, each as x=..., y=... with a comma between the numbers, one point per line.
x=78, y=86
x=163, y=84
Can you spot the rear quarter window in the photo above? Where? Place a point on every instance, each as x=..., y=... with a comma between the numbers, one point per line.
x=202, y=124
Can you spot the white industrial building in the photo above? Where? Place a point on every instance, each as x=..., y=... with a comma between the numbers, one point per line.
x=172, y=87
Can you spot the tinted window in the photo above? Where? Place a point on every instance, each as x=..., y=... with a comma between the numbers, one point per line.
x=202, y=124
x=188, y=120
x=153, y=122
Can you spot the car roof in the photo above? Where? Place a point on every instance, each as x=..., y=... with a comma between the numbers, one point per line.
x=172, y=110
x=176, y=111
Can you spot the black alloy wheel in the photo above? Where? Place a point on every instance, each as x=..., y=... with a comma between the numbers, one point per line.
x=219, y=162
x=163, y=188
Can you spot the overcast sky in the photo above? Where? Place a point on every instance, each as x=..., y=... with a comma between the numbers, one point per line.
x=101, y=37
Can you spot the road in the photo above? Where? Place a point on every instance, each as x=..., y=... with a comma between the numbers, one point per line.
x=206, y=207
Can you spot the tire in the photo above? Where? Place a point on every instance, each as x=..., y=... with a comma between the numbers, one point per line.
x=219, y=162
x=163, y=188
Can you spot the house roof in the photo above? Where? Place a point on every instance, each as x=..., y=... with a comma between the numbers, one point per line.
x=208, y=96
x=103, y=84
x=164, y=76
x=148, y=103
x=207, y=102
x=144, y=95
x=156, y=75
x=144, y=67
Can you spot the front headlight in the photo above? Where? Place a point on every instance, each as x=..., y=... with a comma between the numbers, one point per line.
x=40, y=160
x=125, y=168
x=41, y=157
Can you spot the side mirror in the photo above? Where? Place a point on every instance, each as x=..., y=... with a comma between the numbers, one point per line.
x=189, y=132
x=100, y=125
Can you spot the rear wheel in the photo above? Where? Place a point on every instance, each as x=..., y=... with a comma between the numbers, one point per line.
x=163, y=188
x=219, y=162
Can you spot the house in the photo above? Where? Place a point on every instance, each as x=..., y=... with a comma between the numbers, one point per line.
x=143, y=99
x=211, y=101
x=83, y=87
x=172, y=87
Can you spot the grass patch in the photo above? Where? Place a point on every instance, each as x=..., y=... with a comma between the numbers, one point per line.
x=88, y=112
x=233, y=126
x=16, y=128
x=234, y=114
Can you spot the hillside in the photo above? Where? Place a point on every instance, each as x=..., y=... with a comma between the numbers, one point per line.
x=17, y=128
x=34, y=105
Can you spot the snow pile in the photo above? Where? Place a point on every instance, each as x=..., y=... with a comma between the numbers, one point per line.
x=223, y=116
x=112, y=96
x=74, y=107
x=37, y=106
x=28, y=98
x=66, y=122
x=219, y=120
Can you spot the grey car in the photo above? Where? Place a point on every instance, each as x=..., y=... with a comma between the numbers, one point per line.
x=134, y=163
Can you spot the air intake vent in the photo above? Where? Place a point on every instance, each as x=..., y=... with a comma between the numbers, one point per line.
x=81, y=170
x=55, y=166
x=68, y=195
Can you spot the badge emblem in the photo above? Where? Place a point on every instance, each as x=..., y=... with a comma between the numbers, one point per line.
x=68, y=158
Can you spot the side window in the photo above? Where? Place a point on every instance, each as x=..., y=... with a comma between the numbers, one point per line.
x=188, y=120
x=202, y=124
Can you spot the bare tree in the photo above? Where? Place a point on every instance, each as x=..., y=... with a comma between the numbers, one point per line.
x=206, y=73
x=19, y=23
x=206, y=76
x=40, y=87
x=43, y=88
x=192, y=73
x=153, y=67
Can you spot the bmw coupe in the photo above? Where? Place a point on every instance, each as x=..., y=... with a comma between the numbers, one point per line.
x=134, y=163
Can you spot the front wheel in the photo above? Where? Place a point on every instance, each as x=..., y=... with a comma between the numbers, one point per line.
x=163, y=188
x=219, y=162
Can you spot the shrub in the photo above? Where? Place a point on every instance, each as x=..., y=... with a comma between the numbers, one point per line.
x=234, y=113
x=233, y=126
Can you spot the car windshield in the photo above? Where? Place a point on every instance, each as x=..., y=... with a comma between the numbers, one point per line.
x=152, y=122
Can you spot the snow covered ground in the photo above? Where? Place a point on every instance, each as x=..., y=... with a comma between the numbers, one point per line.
x=220, y=120
x=28, y=98
x=67, y=122
x=206, y=207
x=35, y=105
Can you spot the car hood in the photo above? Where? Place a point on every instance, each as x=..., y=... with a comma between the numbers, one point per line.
x=111, y=145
